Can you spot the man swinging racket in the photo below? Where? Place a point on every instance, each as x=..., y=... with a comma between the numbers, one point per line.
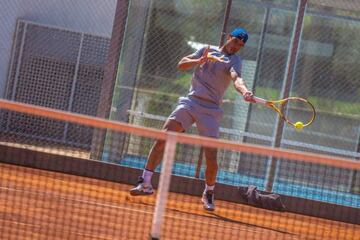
x=214, y=70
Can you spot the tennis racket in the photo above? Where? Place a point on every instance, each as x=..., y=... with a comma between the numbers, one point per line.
x=300, y=112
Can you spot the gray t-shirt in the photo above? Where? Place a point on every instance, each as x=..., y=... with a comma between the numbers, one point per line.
x=211, y=80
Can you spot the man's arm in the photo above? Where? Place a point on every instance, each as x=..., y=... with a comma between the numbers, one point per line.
x=241, y=87
x=188, y=62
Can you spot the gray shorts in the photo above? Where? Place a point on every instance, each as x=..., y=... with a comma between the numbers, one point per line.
x=205, y=114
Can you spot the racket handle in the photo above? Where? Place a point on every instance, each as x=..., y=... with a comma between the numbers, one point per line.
x=260, y=100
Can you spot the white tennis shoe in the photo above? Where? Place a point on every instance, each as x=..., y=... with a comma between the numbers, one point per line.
x=208, y=200
x=142, y=188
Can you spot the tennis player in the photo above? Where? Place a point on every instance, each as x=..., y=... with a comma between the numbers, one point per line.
x=202, y=107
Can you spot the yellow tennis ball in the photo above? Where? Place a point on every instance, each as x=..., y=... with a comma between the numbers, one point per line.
x=299, y=125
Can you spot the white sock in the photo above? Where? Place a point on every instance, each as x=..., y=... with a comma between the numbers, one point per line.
x=209, y=188
x=147, y=175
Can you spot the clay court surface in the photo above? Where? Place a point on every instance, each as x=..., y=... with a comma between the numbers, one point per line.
x=38, y=204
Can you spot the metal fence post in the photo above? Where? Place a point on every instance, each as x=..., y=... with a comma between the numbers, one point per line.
x=110, y=73
x=288, y=80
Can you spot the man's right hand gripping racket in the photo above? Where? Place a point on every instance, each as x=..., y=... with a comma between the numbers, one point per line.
x=299, y=112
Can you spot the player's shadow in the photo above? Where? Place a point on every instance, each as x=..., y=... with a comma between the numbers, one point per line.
x=225, y=219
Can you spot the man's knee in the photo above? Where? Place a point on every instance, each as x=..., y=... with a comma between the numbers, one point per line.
x=173, y=125
x=170, y=125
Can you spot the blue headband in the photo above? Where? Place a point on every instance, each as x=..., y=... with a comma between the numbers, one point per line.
x=240, y=33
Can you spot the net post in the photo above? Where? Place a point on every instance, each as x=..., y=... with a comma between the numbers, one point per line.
x=164, y=183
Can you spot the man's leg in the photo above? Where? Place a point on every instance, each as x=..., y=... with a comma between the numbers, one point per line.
x=211, y=166
x=157, y=150
x=155, y=156
x=210, y=178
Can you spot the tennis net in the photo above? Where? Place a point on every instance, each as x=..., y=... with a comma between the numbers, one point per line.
x=52, y=187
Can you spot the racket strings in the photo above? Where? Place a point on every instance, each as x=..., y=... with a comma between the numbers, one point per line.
x=295, y=110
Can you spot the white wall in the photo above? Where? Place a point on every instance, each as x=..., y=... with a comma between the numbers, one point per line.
x=89, y=16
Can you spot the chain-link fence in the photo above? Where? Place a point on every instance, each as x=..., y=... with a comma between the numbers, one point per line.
x=56, y=68
x=324, y=72
x=55, y=54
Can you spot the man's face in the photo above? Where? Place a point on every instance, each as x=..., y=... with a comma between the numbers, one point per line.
x=233, y=45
